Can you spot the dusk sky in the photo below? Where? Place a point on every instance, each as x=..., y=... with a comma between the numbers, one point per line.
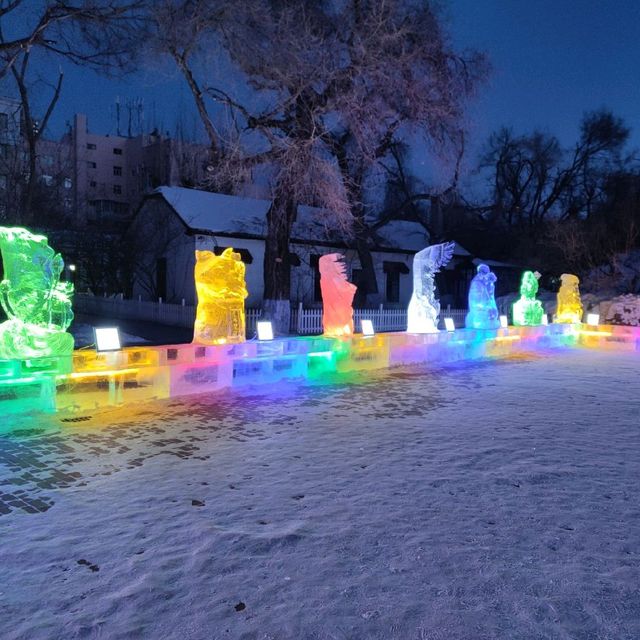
x=552, y=60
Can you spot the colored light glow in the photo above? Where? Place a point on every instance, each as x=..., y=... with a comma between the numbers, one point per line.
x=107, y=339
x=527, y=311
x=586, y=332
x=265, y=330
x=221, y=289
x=21, y=380
x=483, y=312
x=367, y=327
x=37, y=304
x=449, y=324
x=593, y=319
x=337, y=296
x=95, y=374
x=424, y=307
x=343, y=356
x=569, y=307
x=504, y=322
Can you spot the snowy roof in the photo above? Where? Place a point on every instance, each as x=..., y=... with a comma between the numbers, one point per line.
x=224, y=214
x=402, y=233
x=496, y=263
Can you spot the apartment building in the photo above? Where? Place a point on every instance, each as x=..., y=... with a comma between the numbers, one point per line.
x=87, y=179
x=113, y=173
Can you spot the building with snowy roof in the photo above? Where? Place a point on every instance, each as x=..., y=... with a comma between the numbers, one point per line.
x=173, y=222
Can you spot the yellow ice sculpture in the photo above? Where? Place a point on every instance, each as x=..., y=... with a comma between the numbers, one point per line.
x=569, y=304
x=221, y=290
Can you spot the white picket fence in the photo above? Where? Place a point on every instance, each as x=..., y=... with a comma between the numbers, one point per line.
x=303, y=321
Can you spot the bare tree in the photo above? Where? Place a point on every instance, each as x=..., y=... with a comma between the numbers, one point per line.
x=335, y=84
x=533, y=178
x=99, y=33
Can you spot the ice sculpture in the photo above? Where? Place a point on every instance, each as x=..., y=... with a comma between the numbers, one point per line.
x=37, y=304
x=569, y=304
x=337, y=296
x=527, y=311
x=221, y=290
x=483, y=312
x=424, y=307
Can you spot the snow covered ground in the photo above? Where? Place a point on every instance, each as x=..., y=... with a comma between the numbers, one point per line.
x=477, y=501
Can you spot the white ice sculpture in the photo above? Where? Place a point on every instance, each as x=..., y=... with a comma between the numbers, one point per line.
x=424, y=307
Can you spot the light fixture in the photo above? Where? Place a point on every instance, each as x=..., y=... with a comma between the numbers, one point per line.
x=545, y=318
x=367, y=327
x=593, y=319
x=449, y=324
x=504, y=322
x=107, y=338
x=265, y=330
x=72, y=267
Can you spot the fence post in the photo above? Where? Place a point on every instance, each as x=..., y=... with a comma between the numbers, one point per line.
x=299, y=327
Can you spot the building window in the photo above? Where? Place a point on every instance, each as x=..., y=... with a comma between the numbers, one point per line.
x=117, y=151
x=117, y=189
x=393, y=271
x=67, y=183
x=105, y=209
x=117, y=171
x=48, y=180
x=92, y=165
x=92, y=183
x=393, y=286
x=90, y=145
x=161, y=278
x=314, y=263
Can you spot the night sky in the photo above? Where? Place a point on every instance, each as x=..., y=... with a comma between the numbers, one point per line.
x=552, y=60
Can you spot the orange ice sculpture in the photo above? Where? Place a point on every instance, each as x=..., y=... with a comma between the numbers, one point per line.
x=221, y=292
x=337, y=296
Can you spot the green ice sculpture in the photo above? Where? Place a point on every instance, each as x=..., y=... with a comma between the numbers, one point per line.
x=37, y=304
x=527, y=311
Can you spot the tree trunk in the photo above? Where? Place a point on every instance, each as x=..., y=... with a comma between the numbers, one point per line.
x=367, y=283
x=27, y=198
x=277, y=264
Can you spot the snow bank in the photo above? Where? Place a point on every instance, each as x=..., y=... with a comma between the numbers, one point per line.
x=494, y=500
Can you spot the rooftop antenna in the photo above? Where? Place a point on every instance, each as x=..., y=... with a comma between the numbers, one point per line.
x=118, y=115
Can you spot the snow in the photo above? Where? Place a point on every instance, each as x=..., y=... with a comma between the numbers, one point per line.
x=220, y=213
x=494, y=500
x=623, y=309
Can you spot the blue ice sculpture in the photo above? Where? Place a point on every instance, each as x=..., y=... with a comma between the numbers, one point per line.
x=424, y=307
x=483, y=312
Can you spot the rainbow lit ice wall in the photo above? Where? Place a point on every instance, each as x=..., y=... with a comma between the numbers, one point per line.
x=86, y=381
